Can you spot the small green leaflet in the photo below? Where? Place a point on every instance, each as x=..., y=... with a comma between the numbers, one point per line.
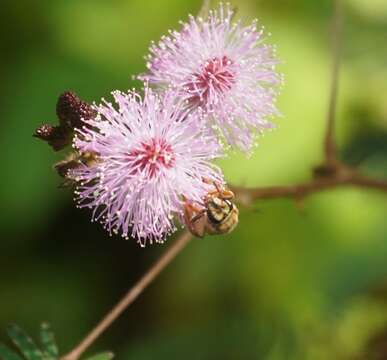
x=30, y=351
x=24, y=343
x=49, y=347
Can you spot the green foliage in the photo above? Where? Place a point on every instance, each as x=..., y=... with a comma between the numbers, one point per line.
x=25, y=344
x=47, y=339
x=30, y=351
x=7, y=354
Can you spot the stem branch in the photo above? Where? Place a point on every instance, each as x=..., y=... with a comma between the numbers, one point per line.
x=344, y=177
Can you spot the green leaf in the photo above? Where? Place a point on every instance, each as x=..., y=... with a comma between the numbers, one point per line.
x=102, y=356
x=7, y=354
x=24, y=343
x=47, y=338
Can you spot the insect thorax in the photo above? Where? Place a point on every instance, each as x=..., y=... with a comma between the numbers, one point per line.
x=218, y=210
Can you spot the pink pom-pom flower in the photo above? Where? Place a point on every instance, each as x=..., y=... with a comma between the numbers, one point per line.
x=150, y=156
x=223, y=70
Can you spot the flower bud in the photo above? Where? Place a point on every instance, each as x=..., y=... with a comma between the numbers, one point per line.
x=55, y=136
x=72, y=111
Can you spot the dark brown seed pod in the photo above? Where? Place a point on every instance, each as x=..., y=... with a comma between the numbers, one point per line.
x=55, y=136
x=71, y=110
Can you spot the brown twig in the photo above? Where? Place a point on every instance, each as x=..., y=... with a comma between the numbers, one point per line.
x=300, y=191
x=130, y=296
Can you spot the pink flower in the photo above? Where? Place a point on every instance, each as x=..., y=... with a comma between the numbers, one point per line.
x=223, y=71
x=150, y=156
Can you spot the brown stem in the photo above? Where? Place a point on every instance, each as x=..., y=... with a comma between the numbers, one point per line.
x=130, y=296
x=370, y=183
x=329, y=143
x=344, y=177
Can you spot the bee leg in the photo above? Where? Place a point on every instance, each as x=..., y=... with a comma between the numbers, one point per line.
x=191, y=216
x=224, y=193
x=198, y=216
x=215, y=192
x=190, y=211
x=195, y=219
x=227, y=195
x=198, y=224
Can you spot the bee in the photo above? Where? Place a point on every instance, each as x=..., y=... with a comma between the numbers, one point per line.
x=218, y=216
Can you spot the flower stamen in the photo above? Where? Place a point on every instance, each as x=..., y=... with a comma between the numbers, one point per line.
x=152, y=156
x=215, y=79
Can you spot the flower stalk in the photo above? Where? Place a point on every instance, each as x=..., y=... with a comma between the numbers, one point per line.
x=134, y=292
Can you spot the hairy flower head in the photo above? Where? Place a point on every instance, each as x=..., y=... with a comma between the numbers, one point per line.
x=222, y=70
x=151, y=155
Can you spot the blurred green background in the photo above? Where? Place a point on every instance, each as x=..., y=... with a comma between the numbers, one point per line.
x=289, y=283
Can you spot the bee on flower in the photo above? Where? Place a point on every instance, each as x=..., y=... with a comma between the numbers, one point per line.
x=218, y=216
x=150, y=155
x=223, y=70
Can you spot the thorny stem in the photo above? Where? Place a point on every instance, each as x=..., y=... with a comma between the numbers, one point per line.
x=329, y=144
x=130, y=296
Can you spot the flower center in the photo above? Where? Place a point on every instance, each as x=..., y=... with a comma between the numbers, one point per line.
x=215, y=79
x=152, y=156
